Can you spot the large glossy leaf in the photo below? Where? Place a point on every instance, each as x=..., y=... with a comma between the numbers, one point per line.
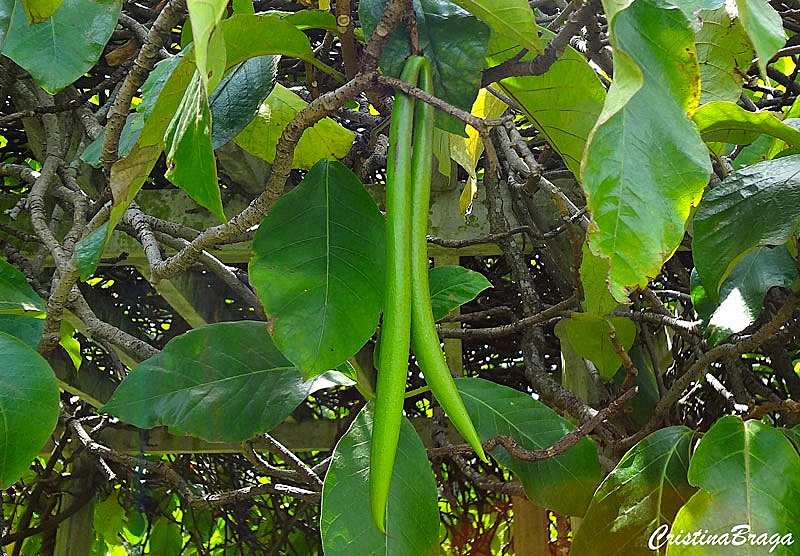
x=412, y=519
x=39, y=10
x=247, y=36
x=511, y=18
x=205, y=16
x=452, y=286
x=590, y=336
x=727, y=122
x=224, y=382
x=28, y=404
x=742, y=293
x=644, y=491
x=236, y=99
x=190, y=158
x=15, y=292
x=724, y=54
x=452, y=39
x=27, y=329
x=563, y=104
x=325, y=139
x=564, y=483
x=318, y=267
x=750, y=475
x=645, y=168
x=49, y=50
x=754, y=206
x=764, y=28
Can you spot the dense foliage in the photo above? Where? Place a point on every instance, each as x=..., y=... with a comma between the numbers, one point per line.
x=195, y=253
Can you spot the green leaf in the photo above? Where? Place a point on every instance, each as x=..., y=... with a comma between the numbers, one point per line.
x=764, y=27
x=727, y=122
x=452, y=286
x=190, y=158
x=162, y=96
x=70, y=344
x=39, y=10
x=27, y=329
x=511, y=18
x=564, y=483
x=793, y=434
x=724, y=54
x=127, y=139
x=236, y=99
x=594, y=276
x=88, y=251
x=644, y=491
x=412, y=520
x=640, y=407
x=703, y=304
x=644, y=168
x=109, y=517
x=224, y=382
x=318, y=267
x=690, y=8
x=453, y=40
x=325, y=139
x=247, y=36
x=205, y=16
x=28, y=404
x=563, y=103
x=311, y=19
x=742, y=293
x=49, y=51
x=749, y=474
x=754, y=206
x=15, y=292
x=165, y=537
x=590, y=336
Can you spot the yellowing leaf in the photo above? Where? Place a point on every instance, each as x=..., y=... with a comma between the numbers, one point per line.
x=466, y=151
x=325, y=139
x=39, y=10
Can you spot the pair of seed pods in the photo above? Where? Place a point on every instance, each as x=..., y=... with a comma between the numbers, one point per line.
x=407, y=316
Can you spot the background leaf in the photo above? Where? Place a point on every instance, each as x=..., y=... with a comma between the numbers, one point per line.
x=564, y=483
x=28, y=404
x=412, y=521
x=742, y=293
x=511, y=18
x=764, y=27
x=236, y=99
x=318, y=267
x=640, y=198
x=452, y=39
x=224, y=382
x=247, y=36
x=89, y=249
x=15, y=292
x=724, y=54
x=749, y=474
x=452, y=286
x=590, y=336
x=563, y=103
x=325, y=139
x=644, y=491
x=728, y=122
x=754, y=206
x=48, y=50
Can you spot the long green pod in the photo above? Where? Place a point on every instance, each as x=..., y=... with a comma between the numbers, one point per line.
x=423, y=328
x=395, y=329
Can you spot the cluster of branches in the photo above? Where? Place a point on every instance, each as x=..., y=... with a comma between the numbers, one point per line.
x=508, y=335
